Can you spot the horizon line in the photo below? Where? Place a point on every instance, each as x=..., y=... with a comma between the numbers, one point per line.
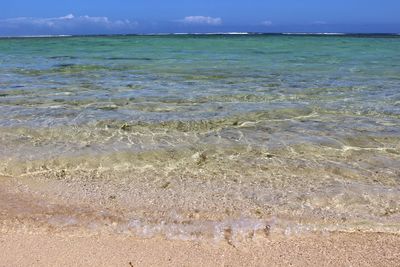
x=200, y=33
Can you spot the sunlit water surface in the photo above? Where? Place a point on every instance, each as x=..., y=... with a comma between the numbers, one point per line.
x=201, y=136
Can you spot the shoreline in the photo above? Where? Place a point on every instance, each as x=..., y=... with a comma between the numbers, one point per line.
x=59, y=249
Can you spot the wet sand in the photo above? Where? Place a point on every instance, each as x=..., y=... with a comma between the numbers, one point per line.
x=34, y=232
x=339, y=249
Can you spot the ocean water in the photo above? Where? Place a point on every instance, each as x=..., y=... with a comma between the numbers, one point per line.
x=201, y=136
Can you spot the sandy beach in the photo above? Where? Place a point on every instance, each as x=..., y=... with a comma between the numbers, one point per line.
x=30, y=235
x=339, y=249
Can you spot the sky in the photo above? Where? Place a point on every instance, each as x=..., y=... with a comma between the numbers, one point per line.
x=48, y=17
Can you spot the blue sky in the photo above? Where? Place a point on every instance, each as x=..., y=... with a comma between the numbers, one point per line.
x=31, y=17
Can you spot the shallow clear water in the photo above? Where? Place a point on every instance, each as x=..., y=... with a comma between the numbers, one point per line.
x=301, y=131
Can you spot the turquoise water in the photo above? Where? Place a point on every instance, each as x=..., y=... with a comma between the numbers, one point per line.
x=300, y=130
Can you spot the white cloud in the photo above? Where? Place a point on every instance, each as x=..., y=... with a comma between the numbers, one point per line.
x=202, y=20
x=267, y=23
x=67, y=23
x=69, y=16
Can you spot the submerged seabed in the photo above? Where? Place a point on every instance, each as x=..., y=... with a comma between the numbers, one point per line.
x=201, y=136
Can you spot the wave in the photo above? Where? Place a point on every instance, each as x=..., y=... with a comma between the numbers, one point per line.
x=210, y=33
x=315, y=33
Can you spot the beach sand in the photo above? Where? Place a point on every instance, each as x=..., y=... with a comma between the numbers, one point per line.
x=28, y=239
x=339, y=249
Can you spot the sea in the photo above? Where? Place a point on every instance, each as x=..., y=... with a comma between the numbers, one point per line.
x=222, y=136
